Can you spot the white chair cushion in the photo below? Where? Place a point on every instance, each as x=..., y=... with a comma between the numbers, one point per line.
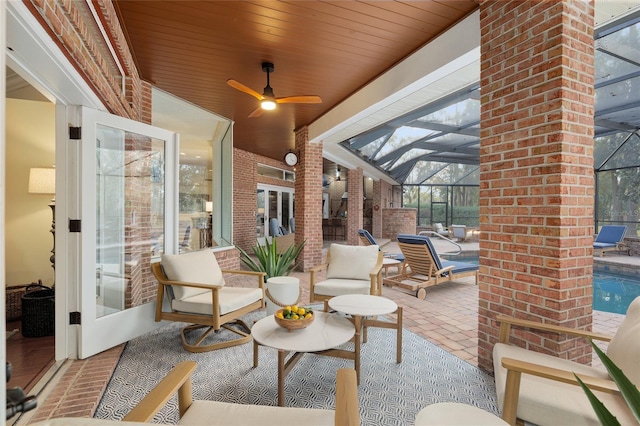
x=199, y=267
x=352, y=262
x=624, y=348
x=214, y=413
x=231, y=299
x=548, y=402
x=339, y=287
x=456, y=414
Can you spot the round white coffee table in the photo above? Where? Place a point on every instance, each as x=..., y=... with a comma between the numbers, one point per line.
x=361, y=306
x=325, y=333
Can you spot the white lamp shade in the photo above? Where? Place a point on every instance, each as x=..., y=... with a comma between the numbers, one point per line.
x=345, y=195
x=42, y=181
x=209, y=206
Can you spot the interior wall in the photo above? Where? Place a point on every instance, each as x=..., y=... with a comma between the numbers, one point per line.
x=30, y=142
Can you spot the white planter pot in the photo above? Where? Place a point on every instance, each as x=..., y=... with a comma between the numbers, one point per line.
x=281, y=290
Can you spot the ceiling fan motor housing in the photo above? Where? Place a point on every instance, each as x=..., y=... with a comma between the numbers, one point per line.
x=267, y=67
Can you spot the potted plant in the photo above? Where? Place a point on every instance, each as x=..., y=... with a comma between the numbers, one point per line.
x=628, y=390
x=270, y=261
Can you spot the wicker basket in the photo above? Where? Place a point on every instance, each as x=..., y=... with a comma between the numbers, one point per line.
x=38, y=311
x=13, y=298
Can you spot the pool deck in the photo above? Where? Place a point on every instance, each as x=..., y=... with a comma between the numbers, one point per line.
x=448, y=316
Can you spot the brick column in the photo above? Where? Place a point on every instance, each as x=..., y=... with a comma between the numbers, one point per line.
x=308, y=187
x=536, y=176
x=355, y=209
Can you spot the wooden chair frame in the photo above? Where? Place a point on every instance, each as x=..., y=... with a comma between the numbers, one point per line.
x=213, y=322
x=179, y=381
x=515, y=368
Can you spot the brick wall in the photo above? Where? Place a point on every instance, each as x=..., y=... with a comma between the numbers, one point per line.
x=536, y=175
x=244, y=199
x=82, y=43
x=355, y=206
x=309, y=199
x=398, y=221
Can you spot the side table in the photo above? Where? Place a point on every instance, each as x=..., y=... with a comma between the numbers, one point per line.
x=360, y=307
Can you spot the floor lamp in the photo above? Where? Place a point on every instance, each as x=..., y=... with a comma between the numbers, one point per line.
x=43, y=181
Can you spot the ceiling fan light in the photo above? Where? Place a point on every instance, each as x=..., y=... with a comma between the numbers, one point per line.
x=268, y=104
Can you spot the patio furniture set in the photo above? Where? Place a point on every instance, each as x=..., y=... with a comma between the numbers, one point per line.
x=351, y=292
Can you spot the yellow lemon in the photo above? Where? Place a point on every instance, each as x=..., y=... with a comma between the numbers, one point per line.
x=294, y=308
x=301, y=311
x=308, y=315
x=279, y=315
x=295, y=316
x=287, y=308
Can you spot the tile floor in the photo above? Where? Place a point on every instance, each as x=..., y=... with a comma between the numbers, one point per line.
x=447, y=318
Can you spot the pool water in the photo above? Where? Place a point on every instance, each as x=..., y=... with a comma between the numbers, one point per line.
x=611, y=292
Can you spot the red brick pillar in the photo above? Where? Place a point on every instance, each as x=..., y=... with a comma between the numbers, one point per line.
x=355, y=204
x=536, y=175
x=308, y=212
x=376, y=220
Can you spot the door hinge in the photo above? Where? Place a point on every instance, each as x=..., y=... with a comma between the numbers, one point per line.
x=75, y=318
x=75, y=133
x=75, y=225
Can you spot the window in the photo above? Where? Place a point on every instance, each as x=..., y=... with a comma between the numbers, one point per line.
x=204, y=199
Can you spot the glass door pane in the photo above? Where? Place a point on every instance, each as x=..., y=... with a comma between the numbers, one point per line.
x=129, y=226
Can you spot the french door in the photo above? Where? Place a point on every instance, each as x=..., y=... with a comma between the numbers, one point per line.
x=274, y=202
x=124, y=225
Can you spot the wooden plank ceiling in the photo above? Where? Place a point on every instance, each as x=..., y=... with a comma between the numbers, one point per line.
x=325, y=48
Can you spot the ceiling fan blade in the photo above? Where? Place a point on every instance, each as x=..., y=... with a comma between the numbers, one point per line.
x=241, y=87
x=299, y=100
x=256, y=112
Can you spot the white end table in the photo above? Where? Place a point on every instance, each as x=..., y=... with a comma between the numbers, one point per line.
x=325, y=333
x=361, y=306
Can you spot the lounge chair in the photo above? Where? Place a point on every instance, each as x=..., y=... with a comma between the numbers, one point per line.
x=367, y=239
x=423, y=267
x=611, y=238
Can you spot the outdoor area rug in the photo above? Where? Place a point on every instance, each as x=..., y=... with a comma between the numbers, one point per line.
x=389, y=393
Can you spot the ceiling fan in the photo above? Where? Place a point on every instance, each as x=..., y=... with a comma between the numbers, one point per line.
x=268, y=100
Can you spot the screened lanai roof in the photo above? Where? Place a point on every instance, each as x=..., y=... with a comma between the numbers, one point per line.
x=439, y=143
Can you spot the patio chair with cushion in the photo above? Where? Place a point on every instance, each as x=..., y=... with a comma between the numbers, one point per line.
x=217, y=413
x=611, y=238
x=349, y=270
x=458, y=232
x=541, y=389
x=195, y=288
x=423, y=267
x=367, y=239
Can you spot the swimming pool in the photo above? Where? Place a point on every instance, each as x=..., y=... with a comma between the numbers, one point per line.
x=611, y=292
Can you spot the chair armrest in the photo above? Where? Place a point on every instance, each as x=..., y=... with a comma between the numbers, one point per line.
x=443, y=270
x=178, y=380
x=318, y=268
x=186, y=284
x=347, y=411
x=260, y=275
x=516, y=368
x=564, y=376
x=507, y=322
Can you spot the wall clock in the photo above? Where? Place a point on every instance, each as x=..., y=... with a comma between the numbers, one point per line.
x=291, y=159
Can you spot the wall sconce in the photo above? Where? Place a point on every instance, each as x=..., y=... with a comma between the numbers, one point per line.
x=338, y=178
x=345, y=195
x=208, y=206
x=43, y=181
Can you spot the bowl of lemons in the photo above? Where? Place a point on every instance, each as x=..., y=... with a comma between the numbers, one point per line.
x=294, y=317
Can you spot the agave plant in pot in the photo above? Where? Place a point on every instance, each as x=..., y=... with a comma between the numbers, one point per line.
x=281, y=290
